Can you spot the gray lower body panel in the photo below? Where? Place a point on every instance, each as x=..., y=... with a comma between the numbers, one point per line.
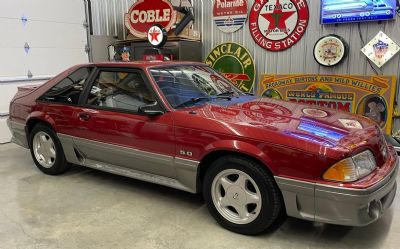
x=18, y=132
x=341, y=206
x=165, y=170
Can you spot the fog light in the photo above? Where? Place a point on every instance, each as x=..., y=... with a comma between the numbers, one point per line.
x=375, y=209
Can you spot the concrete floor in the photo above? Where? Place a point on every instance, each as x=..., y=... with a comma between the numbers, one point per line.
x=90, y=209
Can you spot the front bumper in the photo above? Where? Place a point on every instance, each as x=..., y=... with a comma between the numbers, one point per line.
x=18, y=132
x=339, y=205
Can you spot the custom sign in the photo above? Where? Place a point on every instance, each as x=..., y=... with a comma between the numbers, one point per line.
x=235, y=63
x=144, y=14
x=157, y=35
x=381, y=49
x=230, y=15
x=330, y=50
x=371, y=96
x=276, y=25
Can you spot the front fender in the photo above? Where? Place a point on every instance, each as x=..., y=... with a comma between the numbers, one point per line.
x=240, y=147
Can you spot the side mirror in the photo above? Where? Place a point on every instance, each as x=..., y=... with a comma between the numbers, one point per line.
x=152, y=109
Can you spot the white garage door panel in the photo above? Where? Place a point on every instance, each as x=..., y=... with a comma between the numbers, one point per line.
x=54, y=60
x=42, y=34
x=71, y=11
x=5, y=133
x=9, y=90
x=11, y=9
x=16, y=33
x=56, y=37
x=13, y=62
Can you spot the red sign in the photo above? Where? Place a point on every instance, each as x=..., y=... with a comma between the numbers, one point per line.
x=144, y=14
x=276, y=25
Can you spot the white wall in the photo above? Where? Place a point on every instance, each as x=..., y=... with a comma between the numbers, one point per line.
x=55, y=34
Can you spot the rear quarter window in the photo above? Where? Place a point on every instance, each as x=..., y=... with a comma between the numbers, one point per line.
x=69, y=89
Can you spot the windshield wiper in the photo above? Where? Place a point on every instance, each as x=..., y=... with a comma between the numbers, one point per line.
x=227, y=93
x=197, y=100
x=192, y=101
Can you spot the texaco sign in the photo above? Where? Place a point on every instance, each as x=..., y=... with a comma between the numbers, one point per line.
x=276, y=25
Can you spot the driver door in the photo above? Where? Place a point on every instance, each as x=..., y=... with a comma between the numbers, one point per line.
x=113, y=131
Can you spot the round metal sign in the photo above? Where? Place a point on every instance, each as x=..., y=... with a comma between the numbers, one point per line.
x=276, y=25
x=230, y=15
x=235, y=62
x=157, y=35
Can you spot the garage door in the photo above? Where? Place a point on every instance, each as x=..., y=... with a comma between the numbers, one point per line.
x=38, y=40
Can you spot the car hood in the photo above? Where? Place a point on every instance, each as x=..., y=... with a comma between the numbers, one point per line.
x=287, y=123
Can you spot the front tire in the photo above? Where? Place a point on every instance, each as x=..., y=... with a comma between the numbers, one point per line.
x=241, y=195
x=46, y=150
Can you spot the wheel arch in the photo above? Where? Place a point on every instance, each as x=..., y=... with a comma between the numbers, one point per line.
x=241, y=149
x=33, y=120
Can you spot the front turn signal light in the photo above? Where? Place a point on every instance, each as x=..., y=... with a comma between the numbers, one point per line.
x=343, y=171
x=352, y=168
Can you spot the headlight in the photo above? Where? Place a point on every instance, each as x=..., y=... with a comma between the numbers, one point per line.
x=352, y=168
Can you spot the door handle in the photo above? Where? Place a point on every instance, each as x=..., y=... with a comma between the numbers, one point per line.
x=84, y=116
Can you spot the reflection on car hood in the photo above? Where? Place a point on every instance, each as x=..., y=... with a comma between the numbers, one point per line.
x=291, y=121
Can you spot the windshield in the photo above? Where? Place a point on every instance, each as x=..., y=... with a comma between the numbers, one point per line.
x=189, y=85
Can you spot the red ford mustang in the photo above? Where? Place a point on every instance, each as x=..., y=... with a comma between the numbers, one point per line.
x=185, y=126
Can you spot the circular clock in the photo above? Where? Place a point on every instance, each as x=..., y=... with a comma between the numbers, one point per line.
x=330, y=50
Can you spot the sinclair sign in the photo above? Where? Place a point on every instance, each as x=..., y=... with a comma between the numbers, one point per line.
x=144, y=14
x=235, y=62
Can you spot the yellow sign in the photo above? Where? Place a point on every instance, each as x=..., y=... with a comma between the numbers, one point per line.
x=371, y=96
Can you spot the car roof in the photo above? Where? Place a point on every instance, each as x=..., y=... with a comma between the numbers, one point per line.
x=146, y=64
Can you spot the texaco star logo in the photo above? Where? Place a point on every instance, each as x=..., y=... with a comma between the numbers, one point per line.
x=156, y=35
x=277, y=25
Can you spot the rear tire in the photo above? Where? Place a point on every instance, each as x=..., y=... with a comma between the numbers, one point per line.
x=46, y=150
x=242, y=196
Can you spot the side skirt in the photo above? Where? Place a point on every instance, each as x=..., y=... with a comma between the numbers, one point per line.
x=139, y=175
x=184, y=170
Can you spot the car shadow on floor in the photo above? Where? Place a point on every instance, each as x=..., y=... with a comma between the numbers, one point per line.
x=289, y=228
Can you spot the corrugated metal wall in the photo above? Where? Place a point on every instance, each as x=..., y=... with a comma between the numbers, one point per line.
x=108, y=17
x=108, y=20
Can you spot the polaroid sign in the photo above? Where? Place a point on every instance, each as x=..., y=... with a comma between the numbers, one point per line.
x=144, y=14
x=276, y=25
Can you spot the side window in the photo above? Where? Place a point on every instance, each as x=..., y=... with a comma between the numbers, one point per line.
x=120, y=90
x=69, y=89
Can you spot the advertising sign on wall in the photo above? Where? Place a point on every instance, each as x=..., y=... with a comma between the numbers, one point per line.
x=276, y=25
x=380, y=49
x=339, y=11
x=371, y=96
x=235, y=62
x=144, y=14
x=230, y=15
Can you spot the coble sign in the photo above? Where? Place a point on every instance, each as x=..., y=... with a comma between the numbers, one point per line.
x=144, y=14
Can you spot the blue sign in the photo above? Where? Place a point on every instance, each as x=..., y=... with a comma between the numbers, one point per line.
x=342, y=11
